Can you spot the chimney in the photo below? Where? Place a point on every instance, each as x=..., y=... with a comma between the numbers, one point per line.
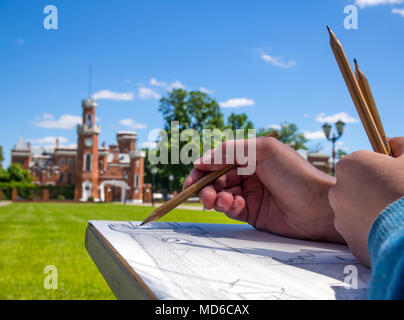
x=29, y=145
x=57, y=143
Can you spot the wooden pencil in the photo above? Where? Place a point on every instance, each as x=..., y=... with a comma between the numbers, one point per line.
x=192, y=190
x=356, y=94
x=367, y=93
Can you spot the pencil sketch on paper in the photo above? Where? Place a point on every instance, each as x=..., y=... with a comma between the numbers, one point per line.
x=206, y=261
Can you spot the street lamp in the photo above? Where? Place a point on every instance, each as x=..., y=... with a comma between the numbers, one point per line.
x=153, y=171
x=327, y=131
x=170, y=179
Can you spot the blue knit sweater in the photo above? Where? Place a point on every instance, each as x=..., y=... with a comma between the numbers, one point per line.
x=386, y=249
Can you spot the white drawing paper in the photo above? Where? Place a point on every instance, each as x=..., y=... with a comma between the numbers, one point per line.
x=219, y=261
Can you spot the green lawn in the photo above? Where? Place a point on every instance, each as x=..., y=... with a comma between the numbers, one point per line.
x=34, y=235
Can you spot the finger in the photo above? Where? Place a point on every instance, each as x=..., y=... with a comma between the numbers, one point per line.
x=228, y=180
x=240, y=152
x=237, y=211
x=224, y=201
x=208, y=197
x=397, y=146
x=194, y=176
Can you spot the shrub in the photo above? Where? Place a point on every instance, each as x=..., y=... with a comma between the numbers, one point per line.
x=90, y=199
x=61, y=197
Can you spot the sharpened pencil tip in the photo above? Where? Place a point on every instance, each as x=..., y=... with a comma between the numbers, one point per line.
x=142, y=224
x=355, y=61
x=329, y=29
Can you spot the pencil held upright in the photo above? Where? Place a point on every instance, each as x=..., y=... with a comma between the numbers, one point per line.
x=357, y=96
x=367, y=92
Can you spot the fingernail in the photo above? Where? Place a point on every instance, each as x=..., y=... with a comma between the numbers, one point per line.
x=219, y=203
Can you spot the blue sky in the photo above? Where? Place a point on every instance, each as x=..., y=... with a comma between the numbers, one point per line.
x=269, y=59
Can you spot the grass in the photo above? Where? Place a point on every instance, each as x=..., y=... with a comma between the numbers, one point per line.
x=34, y=235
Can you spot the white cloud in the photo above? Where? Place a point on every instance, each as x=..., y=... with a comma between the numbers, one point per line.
x=110, y=95
x=204, y=90
x=237, y=103
x=175, y=85
x=398, y=11
x=276, y=61
x=275, y=126
x=156, y=83
x=372, y=3
x=335, y=117
x=130, y=123
x=314, y=135
x=66, y=121
x=148, y=93
x=148, y=145
x=20, y=41
x=48, y=140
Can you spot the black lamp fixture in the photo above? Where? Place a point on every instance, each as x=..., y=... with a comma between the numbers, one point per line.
x=339, y=125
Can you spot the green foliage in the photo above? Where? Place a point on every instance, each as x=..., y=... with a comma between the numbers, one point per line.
x=90, y=199
x=1, y=158
x=239, y=121
x=193, y=110
x=289, y=134
x=14, y=173
x=341, y=153
x=15, y=177
x=61, y=197
x=55, y=192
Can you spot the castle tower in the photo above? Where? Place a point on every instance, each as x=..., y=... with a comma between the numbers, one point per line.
x=21, y=153
x=87, y=153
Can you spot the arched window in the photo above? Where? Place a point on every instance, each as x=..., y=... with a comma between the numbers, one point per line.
x=87, y=162
x=89, y=120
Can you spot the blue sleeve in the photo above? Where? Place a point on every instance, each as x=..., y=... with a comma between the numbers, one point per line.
x=386, y=249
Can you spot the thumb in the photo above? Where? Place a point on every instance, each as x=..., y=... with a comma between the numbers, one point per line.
x=397, y=146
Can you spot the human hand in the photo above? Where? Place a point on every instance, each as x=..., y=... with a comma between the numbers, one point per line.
x=367, y=183
x=286, y=195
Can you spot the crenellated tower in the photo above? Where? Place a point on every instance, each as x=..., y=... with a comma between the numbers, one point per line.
x=87, y=153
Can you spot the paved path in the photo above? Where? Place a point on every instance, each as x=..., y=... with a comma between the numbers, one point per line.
x=4, y=203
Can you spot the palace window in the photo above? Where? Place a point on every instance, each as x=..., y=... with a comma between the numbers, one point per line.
x=61, y=177
x=50, y=172
x=69, y=162
x=89, y=121
x=87, y=162
x=136, y=180
x=69, y=178
x=62, y=162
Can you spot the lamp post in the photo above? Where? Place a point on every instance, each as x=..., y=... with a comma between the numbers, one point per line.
x=170, y=179
x=153, y=171
x=327, y=131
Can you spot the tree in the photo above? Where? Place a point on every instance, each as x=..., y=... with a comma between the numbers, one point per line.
x=1, y=158
x=239, y=121
x=192, y=110
x=15, y=173
x=289, y=134
x=341, y=153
